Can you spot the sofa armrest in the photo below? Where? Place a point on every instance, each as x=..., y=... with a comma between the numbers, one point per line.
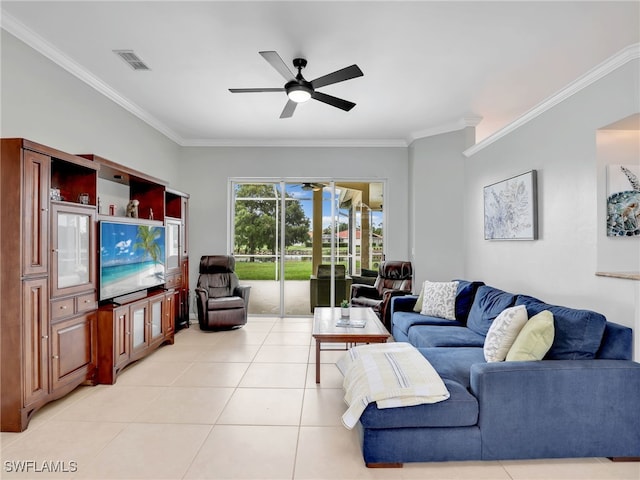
x=387, y=296
x=202, y=296
x=362, y=290
x=364, y=280
x=404, y=303
x=243, y=291
x=558, y=408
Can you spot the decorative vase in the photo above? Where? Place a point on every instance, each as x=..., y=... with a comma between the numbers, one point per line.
x=344, y=312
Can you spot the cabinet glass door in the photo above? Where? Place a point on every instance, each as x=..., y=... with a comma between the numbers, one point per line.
x=139, y=327
x=73, y=244
x=173, y=245
x=156, y=318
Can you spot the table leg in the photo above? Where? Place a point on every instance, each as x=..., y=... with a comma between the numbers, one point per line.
x=317, y=361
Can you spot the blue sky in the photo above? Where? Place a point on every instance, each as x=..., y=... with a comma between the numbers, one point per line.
x=296, y=191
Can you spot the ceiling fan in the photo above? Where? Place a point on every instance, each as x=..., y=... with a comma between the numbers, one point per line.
x=300, y=90
x=312, y=186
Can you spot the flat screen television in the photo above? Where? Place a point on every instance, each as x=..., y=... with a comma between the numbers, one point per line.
x=132, y=258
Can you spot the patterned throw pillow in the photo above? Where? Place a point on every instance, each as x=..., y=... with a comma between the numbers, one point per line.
x=439, y=299
x=503, y=332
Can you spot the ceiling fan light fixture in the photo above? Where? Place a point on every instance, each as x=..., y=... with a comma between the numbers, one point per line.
x=298, y=93
x=299, y=90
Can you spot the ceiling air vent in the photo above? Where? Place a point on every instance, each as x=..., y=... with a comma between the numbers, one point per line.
x=132, y=59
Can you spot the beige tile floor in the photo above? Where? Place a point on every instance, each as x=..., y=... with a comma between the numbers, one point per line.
x=241, y=404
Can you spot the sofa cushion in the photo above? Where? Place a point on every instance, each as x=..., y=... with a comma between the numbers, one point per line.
x=444, y=336
x=405, y=320
x=534, y=340
x=617, y=342
x=454, y=363
x=503, y=332
x=439, y=299
x=578, y=333
x=464, y=299
x=459, y=410
x=488, y=303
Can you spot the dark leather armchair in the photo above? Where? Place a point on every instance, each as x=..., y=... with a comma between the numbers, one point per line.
x=394, y=279
x=222, y=302
x=320, y=286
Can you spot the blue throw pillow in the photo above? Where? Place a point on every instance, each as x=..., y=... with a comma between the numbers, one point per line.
x=464, y=298
x=578, y=333
x=489, y=302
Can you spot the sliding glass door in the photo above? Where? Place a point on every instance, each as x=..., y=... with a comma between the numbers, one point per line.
x=281, y=231
x=255, y=241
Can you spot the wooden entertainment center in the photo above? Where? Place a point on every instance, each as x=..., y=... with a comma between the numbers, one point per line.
x=55, y=334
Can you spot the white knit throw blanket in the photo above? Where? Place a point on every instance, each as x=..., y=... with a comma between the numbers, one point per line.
x=391, y=374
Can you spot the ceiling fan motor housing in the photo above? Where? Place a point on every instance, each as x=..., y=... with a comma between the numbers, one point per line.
x=299, y=90
x=299, y=63
x=298, y=86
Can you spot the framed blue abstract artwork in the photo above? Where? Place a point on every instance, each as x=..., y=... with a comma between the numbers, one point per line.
x=510, y=208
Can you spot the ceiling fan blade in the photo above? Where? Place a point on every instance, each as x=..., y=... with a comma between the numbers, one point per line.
x=333, y=101
x=276, y=62
x=255, y=90
x=346, y=73
x=289, y=108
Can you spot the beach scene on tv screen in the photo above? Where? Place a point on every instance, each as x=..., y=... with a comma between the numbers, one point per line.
x=132, y=257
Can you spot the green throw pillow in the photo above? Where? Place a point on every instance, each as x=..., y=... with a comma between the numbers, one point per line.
x=418, y=306
x=534, y=340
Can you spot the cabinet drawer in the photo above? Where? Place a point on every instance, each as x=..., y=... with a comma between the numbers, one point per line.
x=173, y=281
x=86, y=302
x=62, y=308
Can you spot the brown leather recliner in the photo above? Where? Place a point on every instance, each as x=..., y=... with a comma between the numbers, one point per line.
x=394, y=279
x=222, y=302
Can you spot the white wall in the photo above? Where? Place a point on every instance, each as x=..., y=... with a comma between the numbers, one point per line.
x=561, y=145
x=205, y=174
x=615, y=147
x=46, y=104
x=436, y=202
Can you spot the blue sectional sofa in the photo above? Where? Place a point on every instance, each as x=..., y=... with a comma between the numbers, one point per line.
x=581, y=400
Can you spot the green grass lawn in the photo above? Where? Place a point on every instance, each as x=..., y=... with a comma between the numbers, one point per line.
x=294, y=270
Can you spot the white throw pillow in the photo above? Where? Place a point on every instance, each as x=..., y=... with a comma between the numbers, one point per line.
x=503, y=332
x=439, y=299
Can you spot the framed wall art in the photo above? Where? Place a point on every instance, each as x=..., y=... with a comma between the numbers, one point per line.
x=510, y=208
x=623, y=200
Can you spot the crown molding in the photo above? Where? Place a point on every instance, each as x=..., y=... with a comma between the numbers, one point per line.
x=624, y=56
x=321, y=143
x=39, y=44
x=470, y=120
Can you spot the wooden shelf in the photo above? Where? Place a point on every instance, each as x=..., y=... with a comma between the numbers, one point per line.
x=148, y=190
x=137, y=221
x=624, y=275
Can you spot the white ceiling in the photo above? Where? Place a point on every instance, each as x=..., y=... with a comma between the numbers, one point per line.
x=429, y=67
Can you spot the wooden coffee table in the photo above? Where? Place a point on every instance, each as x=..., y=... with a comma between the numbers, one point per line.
x=326, y=331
